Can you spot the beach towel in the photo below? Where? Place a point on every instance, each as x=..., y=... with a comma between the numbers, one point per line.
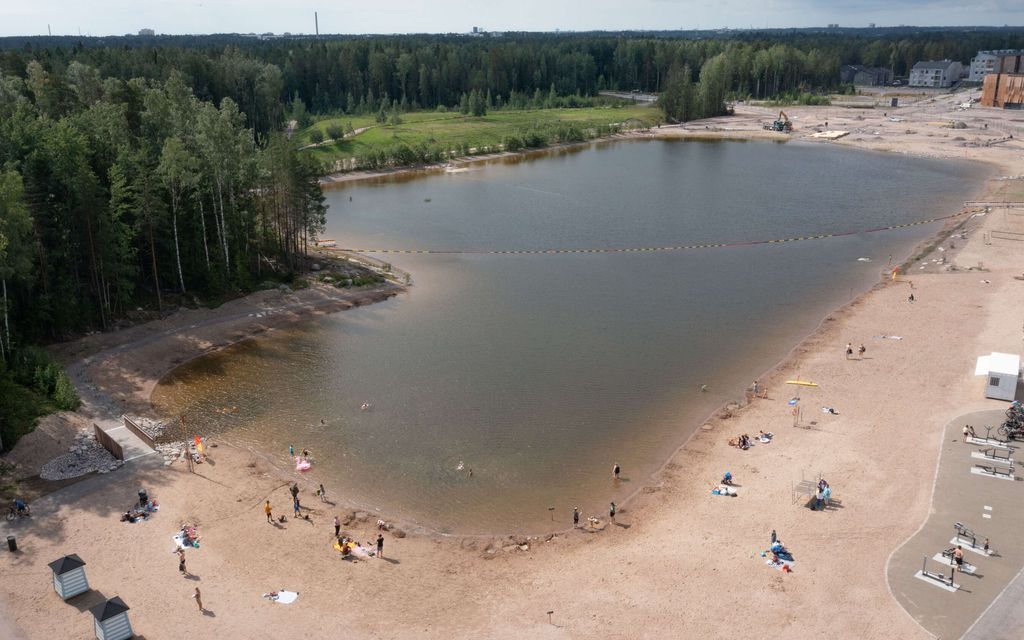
x=282, y=596
x=781, y=563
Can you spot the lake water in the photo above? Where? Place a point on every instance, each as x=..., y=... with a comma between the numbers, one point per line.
x=540, y=372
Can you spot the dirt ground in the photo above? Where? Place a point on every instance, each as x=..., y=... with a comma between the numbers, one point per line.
x=679, y=562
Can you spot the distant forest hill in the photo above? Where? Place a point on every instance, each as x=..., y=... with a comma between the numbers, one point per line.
x=365, y=74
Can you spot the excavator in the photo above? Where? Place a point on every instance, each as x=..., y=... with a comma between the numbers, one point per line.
x=781, y=123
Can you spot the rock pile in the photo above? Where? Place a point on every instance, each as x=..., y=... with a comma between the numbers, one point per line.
x=152, y=428
x=85, y=456
x=171, y=451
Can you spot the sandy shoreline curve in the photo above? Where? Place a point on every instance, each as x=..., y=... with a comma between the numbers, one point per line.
x=683, y=563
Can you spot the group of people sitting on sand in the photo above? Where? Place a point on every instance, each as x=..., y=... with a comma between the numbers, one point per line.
x=145, y=507
x=780, y=556
x=189, y=536
x=744, y=442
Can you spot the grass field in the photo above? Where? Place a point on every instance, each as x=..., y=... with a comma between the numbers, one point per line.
x=454, y=130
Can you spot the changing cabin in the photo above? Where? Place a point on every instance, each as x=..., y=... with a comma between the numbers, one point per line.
x=69, y=576
x=111, y=620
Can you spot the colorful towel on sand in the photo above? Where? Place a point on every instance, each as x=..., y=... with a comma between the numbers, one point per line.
x=781, y=563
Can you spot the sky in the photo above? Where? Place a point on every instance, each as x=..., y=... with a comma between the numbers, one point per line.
x=118, y=17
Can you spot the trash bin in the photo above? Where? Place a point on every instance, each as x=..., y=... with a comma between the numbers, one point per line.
x=12, y=544
x=143, y=498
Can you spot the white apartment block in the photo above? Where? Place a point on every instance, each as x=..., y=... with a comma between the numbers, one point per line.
x=936, y=73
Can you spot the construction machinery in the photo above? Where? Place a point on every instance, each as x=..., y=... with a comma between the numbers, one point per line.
x=781, y=123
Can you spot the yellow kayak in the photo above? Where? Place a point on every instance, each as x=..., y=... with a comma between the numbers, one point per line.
x=802, y=382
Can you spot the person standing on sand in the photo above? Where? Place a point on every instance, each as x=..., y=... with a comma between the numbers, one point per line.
x=296, y=507
x=199, y=599
x=266, y=510
x=294, y=489
x=910, y=298
x=611, y=511
x=575, y=517
x=616, y=470
x=861, y=350
x=380, y=545
x=849, y=350
x=181, y=562
x=337, y=526
x=291, y=451
x=774, y=537
x=323, y=493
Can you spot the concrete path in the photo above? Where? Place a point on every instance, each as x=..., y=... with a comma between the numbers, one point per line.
x=131, y=444
x=1004, y=619
x=989, y=506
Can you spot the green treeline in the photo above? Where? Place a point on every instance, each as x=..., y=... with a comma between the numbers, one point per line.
x=114, y=192
x=117, y=194
x=362, y=75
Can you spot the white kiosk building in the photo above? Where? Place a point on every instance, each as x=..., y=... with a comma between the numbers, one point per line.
x=1003, y=370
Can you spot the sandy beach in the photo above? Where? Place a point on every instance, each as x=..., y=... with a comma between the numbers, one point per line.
x=678, y=562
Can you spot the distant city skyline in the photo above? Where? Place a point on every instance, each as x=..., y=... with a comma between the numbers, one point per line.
x=119, y=17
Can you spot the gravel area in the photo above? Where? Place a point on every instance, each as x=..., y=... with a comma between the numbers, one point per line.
x=84, y=456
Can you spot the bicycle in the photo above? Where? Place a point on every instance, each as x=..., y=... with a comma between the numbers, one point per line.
x=14, y=512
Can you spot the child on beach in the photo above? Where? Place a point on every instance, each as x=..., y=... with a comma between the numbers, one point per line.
x=322, y=493
x=266, y=510
x=611, y=511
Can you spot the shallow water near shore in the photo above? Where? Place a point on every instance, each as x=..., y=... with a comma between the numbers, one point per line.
x=540, y=371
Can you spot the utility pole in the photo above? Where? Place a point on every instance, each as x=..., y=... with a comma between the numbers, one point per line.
x=316, y=22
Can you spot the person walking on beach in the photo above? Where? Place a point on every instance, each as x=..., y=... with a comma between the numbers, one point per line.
x=199, y=599
x=291, y=451
x=323, y=493
x=774, y=537
x=181, y=562
x=849, y=350
x=861, y=350
x=380, y=545
x=294, y=489
x=575, y=517
x=616, y=470
x=296, y=507
x=337, y=526
x=266, y=510
x=611, y=511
